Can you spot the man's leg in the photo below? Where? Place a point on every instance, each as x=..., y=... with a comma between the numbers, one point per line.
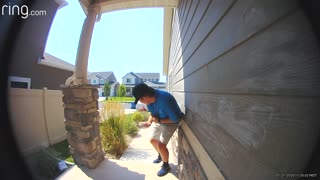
x=155, y=138
x=166, y=133
x=154, y=143
x=163, y=150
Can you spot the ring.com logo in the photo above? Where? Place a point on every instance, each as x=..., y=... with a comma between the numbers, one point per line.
x=22, y=11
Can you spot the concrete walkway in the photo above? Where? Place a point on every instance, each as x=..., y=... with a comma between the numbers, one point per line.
x=135, y=164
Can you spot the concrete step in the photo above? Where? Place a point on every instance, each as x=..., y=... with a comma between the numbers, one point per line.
x=119, y=170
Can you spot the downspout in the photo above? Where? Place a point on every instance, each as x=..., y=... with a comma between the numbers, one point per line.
x=44, y=94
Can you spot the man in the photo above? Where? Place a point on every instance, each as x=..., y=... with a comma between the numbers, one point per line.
x=165, y=113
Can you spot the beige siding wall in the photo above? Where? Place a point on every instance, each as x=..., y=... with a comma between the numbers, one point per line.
x=37, y=117
x=246, y=73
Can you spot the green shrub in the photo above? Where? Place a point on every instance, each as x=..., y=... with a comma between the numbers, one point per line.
x=137, y=116
x=145, y=115
x=130, y=126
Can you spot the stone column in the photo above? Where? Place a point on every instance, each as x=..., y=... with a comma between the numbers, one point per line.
x=82, y=124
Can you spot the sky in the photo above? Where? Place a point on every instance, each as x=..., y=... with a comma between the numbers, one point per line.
x=122, y=41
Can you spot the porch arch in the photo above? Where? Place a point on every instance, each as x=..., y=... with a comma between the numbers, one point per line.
x=93, y=10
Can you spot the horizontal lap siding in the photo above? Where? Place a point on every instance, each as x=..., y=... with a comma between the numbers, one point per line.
x=250, y=136
x=282, y=60
x=212, y=12
x=176, y=29
x=246, y=73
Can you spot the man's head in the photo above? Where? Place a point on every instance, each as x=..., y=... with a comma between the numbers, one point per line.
x=144, y=93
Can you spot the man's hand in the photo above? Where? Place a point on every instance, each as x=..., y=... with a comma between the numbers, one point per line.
x=155, y=119
x=144, y=124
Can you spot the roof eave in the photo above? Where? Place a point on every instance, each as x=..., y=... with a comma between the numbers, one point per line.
x=115, y=5
x=167, y=23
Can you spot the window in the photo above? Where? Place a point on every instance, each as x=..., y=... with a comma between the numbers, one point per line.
x=19, y=82
x=128, y=80
x=94, y=81
x=102, y=81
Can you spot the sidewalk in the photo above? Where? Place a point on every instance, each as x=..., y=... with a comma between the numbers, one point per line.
x=135, y=164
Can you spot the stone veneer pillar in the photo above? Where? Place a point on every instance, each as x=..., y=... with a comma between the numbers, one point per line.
x=80, y=104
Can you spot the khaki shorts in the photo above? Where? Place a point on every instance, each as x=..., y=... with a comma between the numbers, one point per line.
x=163, y=133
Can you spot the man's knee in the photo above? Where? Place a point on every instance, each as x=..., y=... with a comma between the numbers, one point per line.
x=161, y=145
x=154, y=141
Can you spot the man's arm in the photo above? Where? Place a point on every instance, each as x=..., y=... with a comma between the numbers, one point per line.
x=163, y=121
x=152, y=119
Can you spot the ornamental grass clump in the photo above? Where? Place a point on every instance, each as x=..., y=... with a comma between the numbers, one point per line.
x=112, y=129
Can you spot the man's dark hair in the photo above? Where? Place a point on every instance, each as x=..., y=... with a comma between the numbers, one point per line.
x=141, y=90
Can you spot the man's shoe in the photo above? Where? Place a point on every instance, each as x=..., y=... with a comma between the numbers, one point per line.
x=164, y=170
x=158, y=160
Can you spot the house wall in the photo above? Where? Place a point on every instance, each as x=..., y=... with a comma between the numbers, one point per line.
x=37, y=117
x=134, y=79
x=95, y=81
x=246, y=74
x=112, y=78
x=113, y=89
x=29, y=47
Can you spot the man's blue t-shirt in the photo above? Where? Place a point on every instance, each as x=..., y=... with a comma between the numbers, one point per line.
x=165, y=106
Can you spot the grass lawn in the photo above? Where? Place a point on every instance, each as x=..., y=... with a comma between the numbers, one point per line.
x=44, y=163
x=61, y=150
x=120, y=99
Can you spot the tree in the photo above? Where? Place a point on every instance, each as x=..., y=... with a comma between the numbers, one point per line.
x=122, y=90
x=106, y=89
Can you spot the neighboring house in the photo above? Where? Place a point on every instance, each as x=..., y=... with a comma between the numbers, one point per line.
x=114, y=88
x=152, y=79
x=100, y=78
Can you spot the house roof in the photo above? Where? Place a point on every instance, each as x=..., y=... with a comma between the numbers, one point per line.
x=155, y=85
x=61, y=3
x=145, y=75
x=148, y=75
x=52, y=61
x=104, y=75
x=131, y=74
